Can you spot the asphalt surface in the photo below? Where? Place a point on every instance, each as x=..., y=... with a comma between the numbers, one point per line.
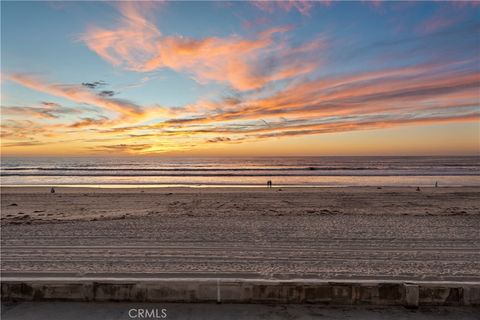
x=125, y=310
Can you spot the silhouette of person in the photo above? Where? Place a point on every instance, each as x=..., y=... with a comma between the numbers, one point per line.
x=52, y=190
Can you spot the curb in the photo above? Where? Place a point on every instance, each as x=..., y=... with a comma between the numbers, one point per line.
x=388, y=293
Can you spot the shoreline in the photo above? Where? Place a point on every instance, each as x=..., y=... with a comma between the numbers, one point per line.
x=314, y=181
x=130, y=187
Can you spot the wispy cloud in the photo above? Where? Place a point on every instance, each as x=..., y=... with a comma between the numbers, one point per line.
x=422, y=94
x=89, y=122
x=417, y=95
x=46, y=110
x=137, y=44
x=94, y=85
x=302, y=6
x=76, y=93
x=219, y=139
x=126, y=111
x=273, y=85
x=123, y=147
x=22, y=129
x=440, y=20
x=389, y=91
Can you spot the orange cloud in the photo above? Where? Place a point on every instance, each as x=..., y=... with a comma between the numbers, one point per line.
x=396, y=91
x=138, y=45
x=368, y=125
x=424, y=94
x=76, y=93
x=132, y=43
x=88, y=122
x=47, y=110
x=26, y=130
x=128, y=112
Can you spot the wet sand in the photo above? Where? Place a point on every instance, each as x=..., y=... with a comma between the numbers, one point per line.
x=324, y=233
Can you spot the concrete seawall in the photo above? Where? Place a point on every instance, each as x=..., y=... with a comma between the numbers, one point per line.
x=349, y=292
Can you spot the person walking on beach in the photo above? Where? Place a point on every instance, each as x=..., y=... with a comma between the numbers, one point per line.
x=269, y=183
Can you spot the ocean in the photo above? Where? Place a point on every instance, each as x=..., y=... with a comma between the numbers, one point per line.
x=205, y=172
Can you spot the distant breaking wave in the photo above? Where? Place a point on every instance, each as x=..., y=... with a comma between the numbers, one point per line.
x=236, y=174
x=191, y=169
x=336, y=171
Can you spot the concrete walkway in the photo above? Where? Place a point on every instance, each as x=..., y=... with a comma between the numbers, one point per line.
x=120, y=311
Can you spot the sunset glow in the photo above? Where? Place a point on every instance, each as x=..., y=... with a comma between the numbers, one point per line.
x=240, y=78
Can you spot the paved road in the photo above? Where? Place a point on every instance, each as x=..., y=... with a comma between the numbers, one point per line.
x=120, y=311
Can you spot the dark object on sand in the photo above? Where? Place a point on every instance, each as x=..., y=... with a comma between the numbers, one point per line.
x=436, y=184
x=379, y=188
x=12, y=205
x=418, y=188
x=52, y=190
x=269, y=183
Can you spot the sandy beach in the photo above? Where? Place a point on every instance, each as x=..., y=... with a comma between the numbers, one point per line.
x=325, y=233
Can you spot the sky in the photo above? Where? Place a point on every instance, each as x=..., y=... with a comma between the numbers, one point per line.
x=240, y=78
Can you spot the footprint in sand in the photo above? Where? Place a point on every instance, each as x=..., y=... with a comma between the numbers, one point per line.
x=327, y=212
x=22, y=216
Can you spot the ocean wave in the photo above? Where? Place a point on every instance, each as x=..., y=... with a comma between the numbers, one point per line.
x=203, y=169
x=188, y=169
x=264, y=174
